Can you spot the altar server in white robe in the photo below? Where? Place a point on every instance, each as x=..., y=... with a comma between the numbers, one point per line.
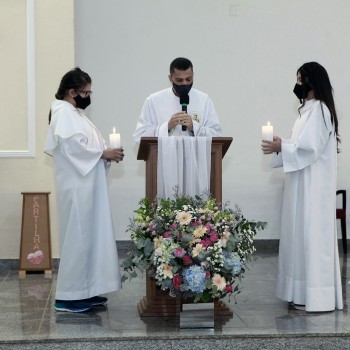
x=89, y=260
x=308, y=271
x=162, y=113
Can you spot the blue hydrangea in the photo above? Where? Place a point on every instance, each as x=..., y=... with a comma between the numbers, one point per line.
x=194, y=278
x=233, y=262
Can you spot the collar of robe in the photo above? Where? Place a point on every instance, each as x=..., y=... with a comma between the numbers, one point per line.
x=308, y=104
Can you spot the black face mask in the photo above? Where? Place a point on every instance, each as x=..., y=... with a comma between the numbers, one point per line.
x=82, y=102
x=182, y=89
x=301, y=90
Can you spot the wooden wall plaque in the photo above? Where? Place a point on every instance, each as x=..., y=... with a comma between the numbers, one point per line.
x=35, y=251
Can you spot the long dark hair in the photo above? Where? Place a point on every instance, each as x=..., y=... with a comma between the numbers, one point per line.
x=316, y=76
x=74, y=79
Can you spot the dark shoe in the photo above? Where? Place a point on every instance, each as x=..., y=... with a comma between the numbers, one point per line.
x=297, y=306
x=72, y=305
x=96, y=301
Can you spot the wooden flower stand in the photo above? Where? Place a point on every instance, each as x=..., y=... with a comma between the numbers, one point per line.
x=159, y=303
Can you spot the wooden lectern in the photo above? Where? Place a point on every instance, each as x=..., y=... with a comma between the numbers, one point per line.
x=158, y=302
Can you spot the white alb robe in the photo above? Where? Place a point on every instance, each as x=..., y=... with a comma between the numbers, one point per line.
x=183, y=162
x=160, y=106
x=309, y=272
x=89, y=259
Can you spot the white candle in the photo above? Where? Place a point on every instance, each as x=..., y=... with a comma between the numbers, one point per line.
x=114, y=139
x=267, y=132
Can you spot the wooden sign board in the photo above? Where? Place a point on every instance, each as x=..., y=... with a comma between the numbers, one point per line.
x=35, y=252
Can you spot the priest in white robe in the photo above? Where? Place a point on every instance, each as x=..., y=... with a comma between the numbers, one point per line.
x=162, y=113
x=89, y=260
x=308, y=271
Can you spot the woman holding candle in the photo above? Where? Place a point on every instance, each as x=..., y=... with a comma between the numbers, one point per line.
x=309, y=273
x=89, y=260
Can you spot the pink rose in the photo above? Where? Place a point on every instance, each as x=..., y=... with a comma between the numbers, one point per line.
x=177, y=280
x=186, y=260
x=207, y=275
x=173, y=226
x=166, y=234
x=214, y=236
x=203, y=243
x=196, y=223
x=179, y=252
x=229, y=288
x=208, y=227
x=180, y=234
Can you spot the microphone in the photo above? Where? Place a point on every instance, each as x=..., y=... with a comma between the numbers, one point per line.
x=184, y=101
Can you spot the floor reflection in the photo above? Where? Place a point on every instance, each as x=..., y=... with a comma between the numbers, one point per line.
x=26, y=311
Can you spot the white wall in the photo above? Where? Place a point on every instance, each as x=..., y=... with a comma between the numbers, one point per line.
x=53, y=48
x=245, y=55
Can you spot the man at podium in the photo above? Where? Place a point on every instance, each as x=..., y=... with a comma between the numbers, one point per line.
x=178, y=110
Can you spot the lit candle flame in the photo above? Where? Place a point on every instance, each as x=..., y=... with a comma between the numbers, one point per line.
x=113, y=130
x=268, y=123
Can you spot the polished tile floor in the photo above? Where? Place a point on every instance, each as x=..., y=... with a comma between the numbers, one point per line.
x=26, y=311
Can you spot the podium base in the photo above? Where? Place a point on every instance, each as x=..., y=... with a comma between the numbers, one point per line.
x=158, y=303
x=164, y=307
x=159, y=307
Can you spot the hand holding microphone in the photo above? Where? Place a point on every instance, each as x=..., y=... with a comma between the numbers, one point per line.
x=180, y=118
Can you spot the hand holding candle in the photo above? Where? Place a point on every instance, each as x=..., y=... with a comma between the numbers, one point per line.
x=115, y=152
x=114, y=139
x=267, y=132
x=270, y=143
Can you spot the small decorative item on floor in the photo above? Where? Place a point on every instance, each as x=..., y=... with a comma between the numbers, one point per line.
x=35, y=247
x=191, y=246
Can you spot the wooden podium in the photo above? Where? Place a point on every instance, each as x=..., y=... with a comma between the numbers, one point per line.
x=158, y=302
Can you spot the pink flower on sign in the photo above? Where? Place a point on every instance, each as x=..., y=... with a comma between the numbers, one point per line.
x=186, y=260
x=36, y=258
x=179, y=252
x=214, y=236
x=166, y=234
x=177, y=280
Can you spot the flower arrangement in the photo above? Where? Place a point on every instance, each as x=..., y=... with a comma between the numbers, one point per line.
x=191, y=246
